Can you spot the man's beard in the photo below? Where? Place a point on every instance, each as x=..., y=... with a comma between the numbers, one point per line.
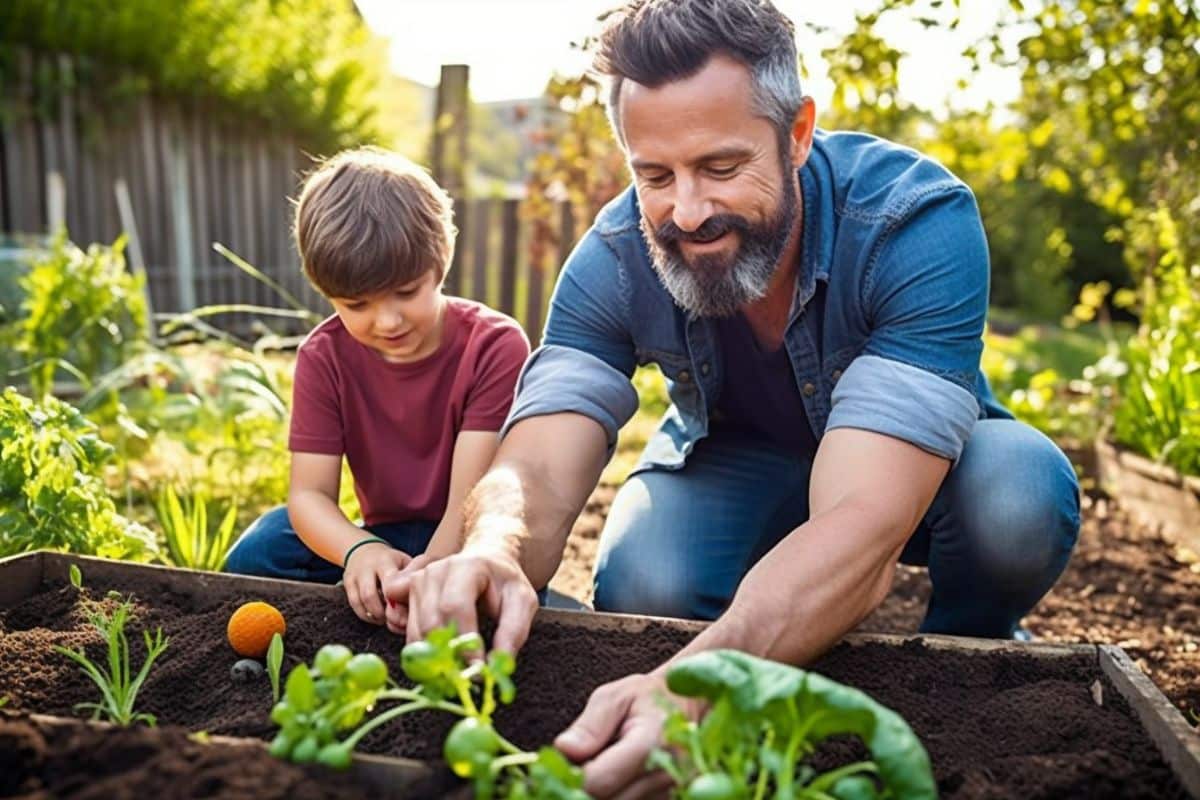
x=716, y=285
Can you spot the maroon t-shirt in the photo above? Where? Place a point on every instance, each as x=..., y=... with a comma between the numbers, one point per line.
x=397, y=423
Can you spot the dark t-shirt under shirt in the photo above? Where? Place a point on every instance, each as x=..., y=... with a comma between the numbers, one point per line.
x=397, y=423
x=759, y=396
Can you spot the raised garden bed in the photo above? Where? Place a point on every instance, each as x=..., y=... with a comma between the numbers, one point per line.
x=999, y=720
x=1154, y=491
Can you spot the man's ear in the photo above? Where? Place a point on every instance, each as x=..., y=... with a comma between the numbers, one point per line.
x=802, y=131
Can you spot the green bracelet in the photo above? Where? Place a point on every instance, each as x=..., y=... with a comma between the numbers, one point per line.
x=359, y=544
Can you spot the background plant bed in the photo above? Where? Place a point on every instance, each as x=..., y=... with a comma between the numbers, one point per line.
x=998, y=720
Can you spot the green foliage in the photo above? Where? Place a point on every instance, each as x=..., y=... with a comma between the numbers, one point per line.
x=332, y=698
x=118, y=686
x=1159, y=409
x=309, y=66
x=192, y=542
x=763, y=718
x=82, y=312
x=51, y=492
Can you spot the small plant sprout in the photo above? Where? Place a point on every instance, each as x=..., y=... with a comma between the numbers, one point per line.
x=4, y=701
x=275, y=664
x=118, y=686
x=76, y=576
x=333, y=697
x=764, y=718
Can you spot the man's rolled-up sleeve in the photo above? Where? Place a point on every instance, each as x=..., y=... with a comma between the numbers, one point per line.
x=925, y=293
x=559, y=379
x=906, y=403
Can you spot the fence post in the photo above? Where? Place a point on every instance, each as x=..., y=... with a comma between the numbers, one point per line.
x=181, y=213
x=510, y=233
x=450, y=130
x=480, y=220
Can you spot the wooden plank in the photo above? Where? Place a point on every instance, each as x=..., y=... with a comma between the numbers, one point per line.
x=24, y=165
x=20, y=576
x=179, y=198
x=68, y=125
x=481, y=216
x=510, y=235
x=195, y=129
x=462, y=220
x=1178, y=742
x=49, y=142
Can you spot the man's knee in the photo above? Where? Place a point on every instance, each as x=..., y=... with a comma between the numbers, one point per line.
x=627, y=585
x=1019, y=501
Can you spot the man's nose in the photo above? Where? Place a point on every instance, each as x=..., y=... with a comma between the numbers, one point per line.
x=691, y=209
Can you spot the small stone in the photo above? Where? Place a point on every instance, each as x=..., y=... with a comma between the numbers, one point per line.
x=1098, y=693
x=246, y=670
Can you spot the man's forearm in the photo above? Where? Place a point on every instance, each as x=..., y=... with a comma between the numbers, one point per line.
x=814, y=587
x=513, y=510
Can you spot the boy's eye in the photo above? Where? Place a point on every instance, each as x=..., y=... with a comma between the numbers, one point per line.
x=356, y=305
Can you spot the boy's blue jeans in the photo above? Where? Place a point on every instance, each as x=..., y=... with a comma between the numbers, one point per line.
x=270, y=548
x=995, y=539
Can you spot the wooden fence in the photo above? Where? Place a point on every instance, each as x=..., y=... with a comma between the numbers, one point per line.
x=195, y=178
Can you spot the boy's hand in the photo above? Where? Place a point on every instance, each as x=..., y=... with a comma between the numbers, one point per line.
x=369, y=567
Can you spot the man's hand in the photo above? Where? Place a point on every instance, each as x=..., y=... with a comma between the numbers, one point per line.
x=370, y=566
x=613, y=737
x=453, y=588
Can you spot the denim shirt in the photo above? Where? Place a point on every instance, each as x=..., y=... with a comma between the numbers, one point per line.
x=884, y=334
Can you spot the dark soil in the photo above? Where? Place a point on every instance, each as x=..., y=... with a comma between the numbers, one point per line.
x=1126, y=584
x=82, y=761
x=996, y=726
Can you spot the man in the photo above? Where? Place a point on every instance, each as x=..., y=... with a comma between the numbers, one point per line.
x=816, y=301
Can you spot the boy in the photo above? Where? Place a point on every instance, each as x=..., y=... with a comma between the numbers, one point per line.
x=408, y=384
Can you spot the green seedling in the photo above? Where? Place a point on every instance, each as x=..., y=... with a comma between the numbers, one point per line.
x=118, y=686
x=4, y=701
x=324, y=714
x=275, y=664
x=764, y=718
x=76, y=576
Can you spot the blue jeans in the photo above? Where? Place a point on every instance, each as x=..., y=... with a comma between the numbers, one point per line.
x=270, y=548
x=995, y=539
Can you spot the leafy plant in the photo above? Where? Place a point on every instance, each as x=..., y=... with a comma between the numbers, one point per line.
x=323, y=714
x=83, y=313
x=192, y=542
x=118, y=686
x=52, y=495
x=275, y=664
x=764, y=718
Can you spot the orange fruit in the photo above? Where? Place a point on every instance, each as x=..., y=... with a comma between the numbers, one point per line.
x=252, y=626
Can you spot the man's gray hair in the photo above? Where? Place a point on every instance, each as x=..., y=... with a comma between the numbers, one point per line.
x=653, y=42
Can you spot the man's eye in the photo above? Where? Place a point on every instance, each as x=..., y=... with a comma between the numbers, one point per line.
x=723, y=172
x=657, y=179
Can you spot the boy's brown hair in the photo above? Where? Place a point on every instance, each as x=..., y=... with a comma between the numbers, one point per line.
x=368, y=220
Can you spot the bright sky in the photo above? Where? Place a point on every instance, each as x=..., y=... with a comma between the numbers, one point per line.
x=513, y=46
